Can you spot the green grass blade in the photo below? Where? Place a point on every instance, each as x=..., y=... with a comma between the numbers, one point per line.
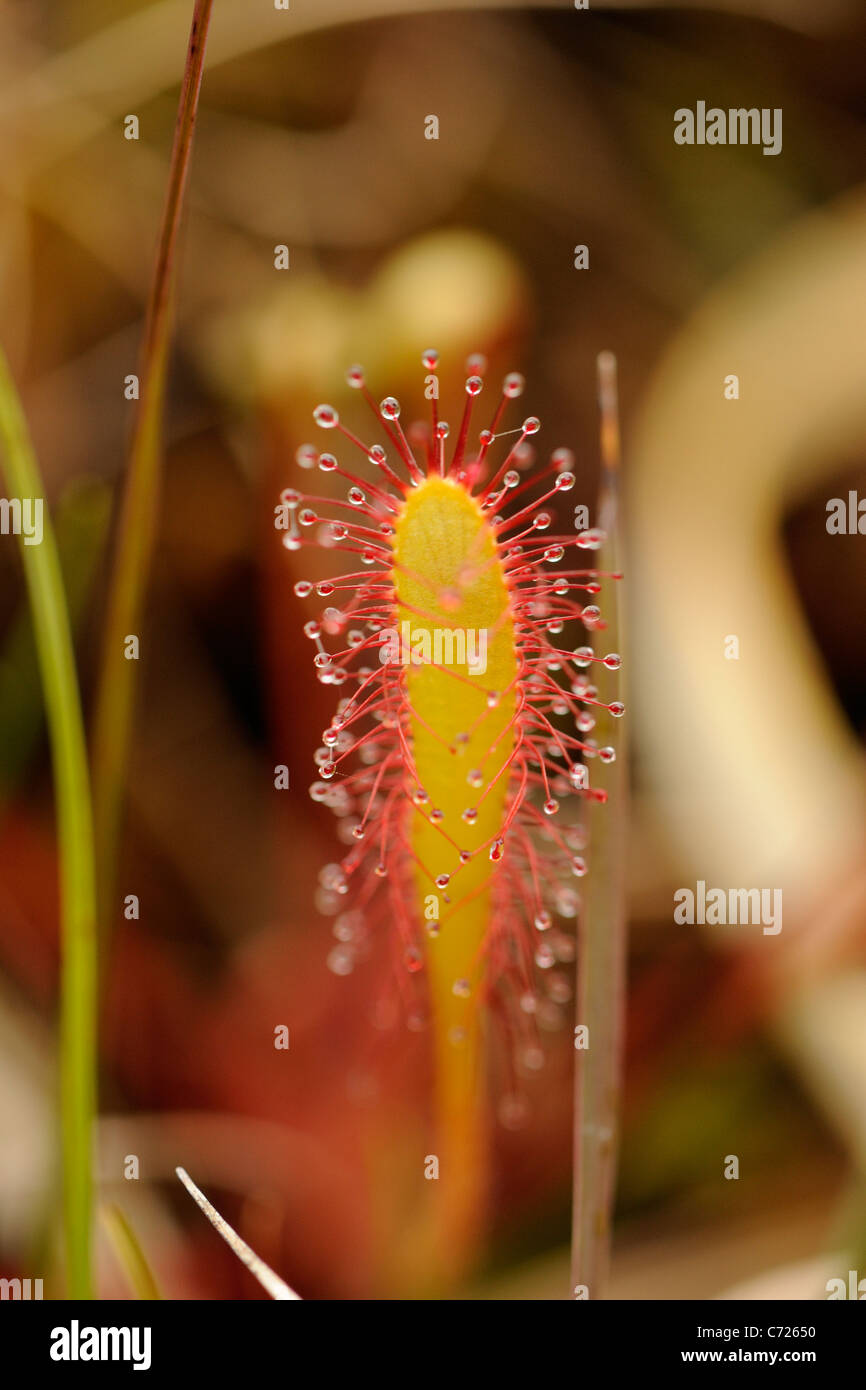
x=75, y=840
x=130, y=1255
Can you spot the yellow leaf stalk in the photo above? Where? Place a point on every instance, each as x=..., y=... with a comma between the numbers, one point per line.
x=447, y=568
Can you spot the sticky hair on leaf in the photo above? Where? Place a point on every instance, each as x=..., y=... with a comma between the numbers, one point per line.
x=448, y=773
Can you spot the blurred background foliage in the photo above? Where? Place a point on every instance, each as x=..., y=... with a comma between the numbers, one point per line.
x=555, y=129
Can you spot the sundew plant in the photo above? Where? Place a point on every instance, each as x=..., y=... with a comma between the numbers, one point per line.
x=464, y=658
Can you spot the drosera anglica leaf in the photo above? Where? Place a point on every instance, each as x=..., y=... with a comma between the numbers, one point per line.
x=466, y=722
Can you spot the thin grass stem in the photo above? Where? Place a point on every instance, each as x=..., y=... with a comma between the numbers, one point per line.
x=601, y=951
x=130, y=1255
x=271, y=1282
x=140, y=501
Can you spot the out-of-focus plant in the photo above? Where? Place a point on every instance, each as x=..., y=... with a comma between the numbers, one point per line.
x=601, y=936
x=115, y=698
x=75, y=839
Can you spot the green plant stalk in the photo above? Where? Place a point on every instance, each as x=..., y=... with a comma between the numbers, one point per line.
x=80, y=526
x=75, y=840
x=601, y=954
x=140, y=502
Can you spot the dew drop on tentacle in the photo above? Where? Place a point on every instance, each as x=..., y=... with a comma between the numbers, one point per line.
x=413, y=959
x=513, y=1111
x=532, y=1058
x=566, y=902
x=591, y=540
x=559, y=989
x=544, y=957
x=341, y=960
x=513, y=385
